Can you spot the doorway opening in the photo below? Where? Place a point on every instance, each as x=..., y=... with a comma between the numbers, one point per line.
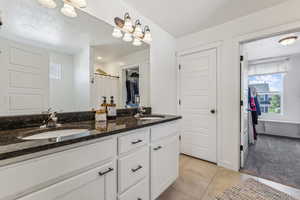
x=270, y=108
x=131, y=91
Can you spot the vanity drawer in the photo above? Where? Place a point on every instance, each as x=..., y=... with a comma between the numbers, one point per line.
x=164, y=130
x=137, y=192
x=134, y=140
x=37, y=173
x=133, y=168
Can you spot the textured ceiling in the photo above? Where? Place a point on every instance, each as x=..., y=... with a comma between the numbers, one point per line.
x=181, y=17
x=28, y=22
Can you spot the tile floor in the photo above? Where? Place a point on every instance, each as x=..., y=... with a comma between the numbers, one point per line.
x=201, y=180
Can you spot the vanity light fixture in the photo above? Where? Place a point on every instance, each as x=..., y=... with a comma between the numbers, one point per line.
x=69, y=8
x=137, y=42
x=138, y=31
x=147, y=34
x=132, y=32
x=48, y=3
x=127, y=37
x=127, y=23
x=288, y=40
x=117, y=33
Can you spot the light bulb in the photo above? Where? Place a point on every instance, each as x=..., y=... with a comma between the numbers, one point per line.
x=79, y=3
x=147, y=37
x=138, y=32
x=47, y=3
x=137, y=42
x=127, y=37
x=128, y=23
x=68, y=10
x=117, y=33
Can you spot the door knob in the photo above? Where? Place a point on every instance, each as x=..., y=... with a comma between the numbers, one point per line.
x=212, y=111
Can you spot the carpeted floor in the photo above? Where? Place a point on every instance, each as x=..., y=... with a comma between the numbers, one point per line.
x=253, y=190
x=276, y=159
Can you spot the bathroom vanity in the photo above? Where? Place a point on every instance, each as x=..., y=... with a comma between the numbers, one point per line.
x=127, y=159
x=54, y=64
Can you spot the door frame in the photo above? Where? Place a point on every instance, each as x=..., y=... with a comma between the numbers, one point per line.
x=217, y=46
x=242, y=39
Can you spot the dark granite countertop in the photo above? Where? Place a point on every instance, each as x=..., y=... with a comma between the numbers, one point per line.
x=12, y=146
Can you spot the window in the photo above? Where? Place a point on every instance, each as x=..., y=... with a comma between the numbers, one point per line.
x=269, y=91
x=55, y=71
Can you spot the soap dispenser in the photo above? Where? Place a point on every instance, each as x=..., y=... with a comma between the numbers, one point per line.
x=111, y=109
x=101, y=112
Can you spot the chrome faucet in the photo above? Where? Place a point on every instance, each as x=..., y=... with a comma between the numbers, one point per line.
x=51, y=122
x=140, y=110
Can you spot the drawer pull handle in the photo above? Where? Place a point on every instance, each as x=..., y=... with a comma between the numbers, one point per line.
x=137, y=169
x=106, y=172
x=139, y=199
x=157, y=148
x=136, y=142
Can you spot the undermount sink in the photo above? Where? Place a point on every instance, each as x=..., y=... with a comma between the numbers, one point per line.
x=55, y=134
x=154, y=117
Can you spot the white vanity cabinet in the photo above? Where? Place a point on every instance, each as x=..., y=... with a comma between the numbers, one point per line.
x=96, y=184
x=32, y=175
x=164, y=157
x=134, y=165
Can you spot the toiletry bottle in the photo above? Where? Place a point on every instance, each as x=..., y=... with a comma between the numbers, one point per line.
x=101, y=112
x=111, y=109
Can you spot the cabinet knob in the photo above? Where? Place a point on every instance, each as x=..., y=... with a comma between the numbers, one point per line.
x=137, y=169
x=106, y=172
x=157, y=148
x=136, y=142
x=213, y=111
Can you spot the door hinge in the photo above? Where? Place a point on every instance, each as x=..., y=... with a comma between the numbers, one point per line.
x=242, y=148
x=179, y=137
x=241, y=58
x=179, y=102
x=242, y=103
x=179, y=67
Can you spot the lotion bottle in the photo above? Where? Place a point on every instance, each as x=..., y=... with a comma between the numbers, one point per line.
x=111, y=109
x=101, y=112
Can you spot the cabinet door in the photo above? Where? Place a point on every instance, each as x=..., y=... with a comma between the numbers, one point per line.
x=96, y=184
x=164, y=164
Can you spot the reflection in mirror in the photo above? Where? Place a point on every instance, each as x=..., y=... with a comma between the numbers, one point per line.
x=127, y=68
x=49, y=60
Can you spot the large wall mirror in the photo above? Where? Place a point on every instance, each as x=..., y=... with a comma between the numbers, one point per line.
x=48, y=60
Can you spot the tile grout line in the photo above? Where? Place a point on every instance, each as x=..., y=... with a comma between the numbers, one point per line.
x=212, y=179
x=185, y=163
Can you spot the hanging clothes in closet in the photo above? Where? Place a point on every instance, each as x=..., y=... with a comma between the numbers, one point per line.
x=132, y=88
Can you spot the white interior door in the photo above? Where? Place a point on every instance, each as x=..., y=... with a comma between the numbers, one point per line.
x=24, y=78
x=198, y=88
x=244, y=110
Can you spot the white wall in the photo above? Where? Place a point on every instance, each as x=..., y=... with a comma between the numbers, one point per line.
x=162, y=54
x=82, y=85
x=229, y=89
x=113, y=67
x=61, y=93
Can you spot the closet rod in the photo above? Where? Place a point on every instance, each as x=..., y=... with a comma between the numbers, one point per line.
x=106, y=75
